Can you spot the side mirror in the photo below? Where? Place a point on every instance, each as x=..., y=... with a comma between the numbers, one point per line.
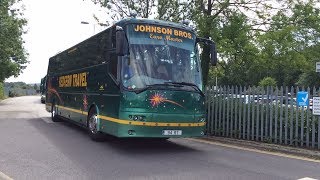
x=120, y=41
x=213, y=53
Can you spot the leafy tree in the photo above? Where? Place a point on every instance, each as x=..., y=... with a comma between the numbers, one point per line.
x=171, y=10
x=209, y=15
x=12, y=53
x=268, y=81
x=291, y=45
x=35, y=87
x=118, y=9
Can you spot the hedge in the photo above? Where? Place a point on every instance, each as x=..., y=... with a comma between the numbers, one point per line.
x=1, y=91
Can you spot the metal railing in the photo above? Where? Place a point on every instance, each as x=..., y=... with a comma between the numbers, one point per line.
x=262, y=114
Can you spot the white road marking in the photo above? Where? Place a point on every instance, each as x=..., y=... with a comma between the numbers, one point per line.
x=4, y=177
x=307, y=178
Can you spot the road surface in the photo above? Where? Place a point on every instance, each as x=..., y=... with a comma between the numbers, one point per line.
x=33, y=147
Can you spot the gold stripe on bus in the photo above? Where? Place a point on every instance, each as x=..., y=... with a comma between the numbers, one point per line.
x=73, y=110
x=138, y=123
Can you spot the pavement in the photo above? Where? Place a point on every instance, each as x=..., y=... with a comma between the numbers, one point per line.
x=33, y=147
x=312, y=154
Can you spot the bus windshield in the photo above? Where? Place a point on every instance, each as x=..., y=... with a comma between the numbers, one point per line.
x=158, y=56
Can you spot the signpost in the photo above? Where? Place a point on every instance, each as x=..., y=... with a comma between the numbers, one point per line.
x=302, y=98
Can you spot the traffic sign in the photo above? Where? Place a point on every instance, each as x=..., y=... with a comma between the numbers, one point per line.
x=316, y=106
x=303, y=98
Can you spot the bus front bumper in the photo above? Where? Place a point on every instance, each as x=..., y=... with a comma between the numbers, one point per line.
x=155, y=131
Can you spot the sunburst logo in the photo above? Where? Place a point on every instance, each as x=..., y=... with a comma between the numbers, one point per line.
x=157, y=99
x=85, y=102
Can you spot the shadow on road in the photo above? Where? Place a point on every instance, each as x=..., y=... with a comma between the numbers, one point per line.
x=64, y=133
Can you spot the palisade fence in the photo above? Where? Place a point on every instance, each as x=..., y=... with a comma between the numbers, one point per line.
x=262, y=114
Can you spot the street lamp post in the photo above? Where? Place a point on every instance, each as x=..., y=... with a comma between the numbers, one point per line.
x=94, y=25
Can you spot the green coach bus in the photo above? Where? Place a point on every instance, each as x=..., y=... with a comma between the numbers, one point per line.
x=137, y=78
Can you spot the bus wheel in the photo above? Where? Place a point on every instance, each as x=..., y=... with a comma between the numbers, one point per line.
x=92, y=124
x=54, y=113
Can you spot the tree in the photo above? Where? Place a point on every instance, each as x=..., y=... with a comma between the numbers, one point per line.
x=35, y=87
x=118, y=9
x=171, y=10
x=208, y=16
x=12, y=53
x=291, y=45
x=268, y=81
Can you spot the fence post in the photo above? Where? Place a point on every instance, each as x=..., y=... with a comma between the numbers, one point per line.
x=276, y=117
x=236, y=114
x=308, y=121
x=262, y=115
x=286, y=119
x=297, y=121
x=216, y=98
x=240, y=112
x=267, y=112
x=271, y=113
x=224, y=112
x=281, y=114
x=313, y=138
x=302, y=124
x=291, y=118
x=232, y=112
x=258, y=115
x=220, y=110
x=213, y=101
x=244, y=114
x=252, y=113
x=248, y=118
x=228, y=111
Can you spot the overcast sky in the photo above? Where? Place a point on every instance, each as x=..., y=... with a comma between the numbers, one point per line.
x=53, y=26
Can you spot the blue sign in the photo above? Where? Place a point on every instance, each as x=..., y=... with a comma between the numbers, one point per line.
x=303, y=98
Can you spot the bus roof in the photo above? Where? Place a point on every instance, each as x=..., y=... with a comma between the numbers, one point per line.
x=126, y=21
x=154, y=21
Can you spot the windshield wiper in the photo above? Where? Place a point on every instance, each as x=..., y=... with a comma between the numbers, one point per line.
x=138, y=91
x=187, y=84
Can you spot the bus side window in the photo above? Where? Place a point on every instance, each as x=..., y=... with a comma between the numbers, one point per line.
x=113, y=61
x=113, y=66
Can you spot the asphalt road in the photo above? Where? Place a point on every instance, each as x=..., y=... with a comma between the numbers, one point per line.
x=33, y=147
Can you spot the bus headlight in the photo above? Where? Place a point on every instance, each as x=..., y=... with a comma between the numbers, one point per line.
x=137, y=117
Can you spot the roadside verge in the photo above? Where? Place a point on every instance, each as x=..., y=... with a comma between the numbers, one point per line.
x=285, y=149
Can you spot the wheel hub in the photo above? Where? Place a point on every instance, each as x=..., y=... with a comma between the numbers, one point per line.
x=93, y=121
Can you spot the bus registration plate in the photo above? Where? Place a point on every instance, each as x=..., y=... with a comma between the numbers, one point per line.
x=172, y=132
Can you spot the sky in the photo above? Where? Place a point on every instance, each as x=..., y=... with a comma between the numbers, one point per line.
x=53, y=26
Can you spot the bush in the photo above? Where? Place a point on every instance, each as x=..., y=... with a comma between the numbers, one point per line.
x=268, y=81
x=1, y=91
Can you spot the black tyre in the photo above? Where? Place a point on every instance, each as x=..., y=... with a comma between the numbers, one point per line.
x=92, y=125
x=54, y=113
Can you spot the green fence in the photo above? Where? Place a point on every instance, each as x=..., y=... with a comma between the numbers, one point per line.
x=262, y=114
